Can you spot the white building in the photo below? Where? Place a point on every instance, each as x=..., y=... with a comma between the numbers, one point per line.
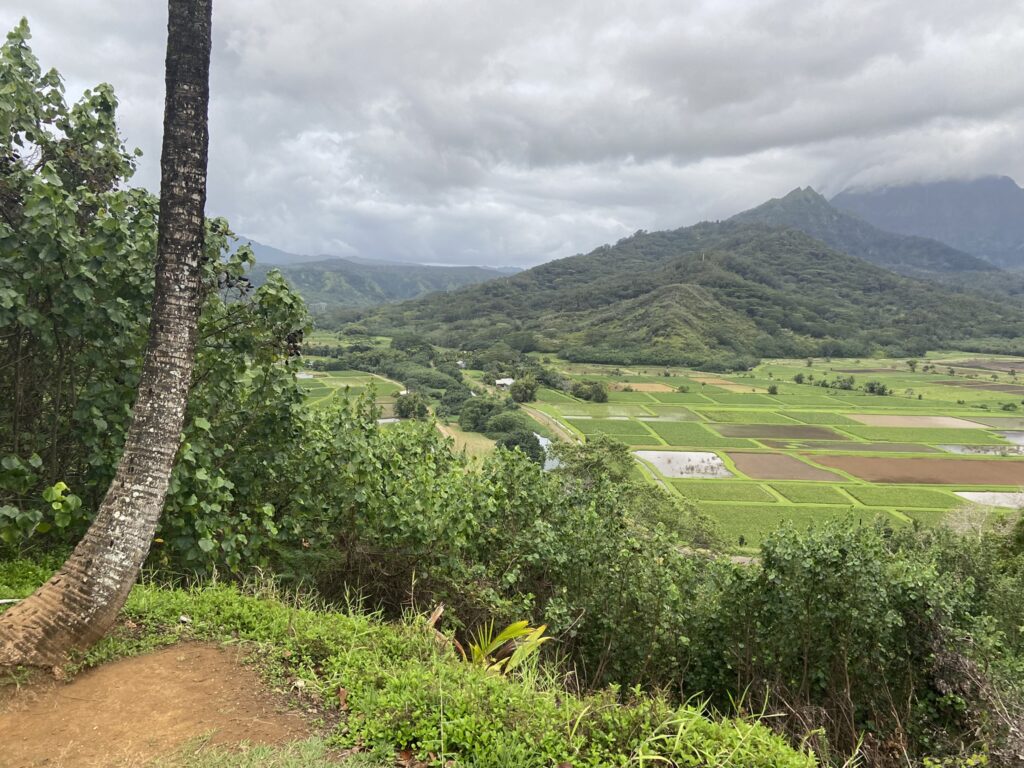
x=504, y=383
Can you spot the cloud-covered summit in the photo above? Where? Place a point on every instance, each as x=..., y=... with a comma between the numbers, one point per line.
x=513, y=133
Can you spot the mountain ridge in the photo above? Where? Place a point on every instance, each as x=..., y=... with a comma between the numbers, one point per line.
x=712, y=295
x=330, y=282
x=808, y=211
x=982, y=216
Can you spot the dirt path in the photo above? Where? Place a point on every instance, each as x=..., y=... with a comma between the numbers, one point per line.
x=131, y=711
x=551, y=423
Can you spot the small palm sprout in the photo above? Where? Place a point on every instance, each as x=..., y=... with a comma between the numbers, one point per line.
x=505, y=651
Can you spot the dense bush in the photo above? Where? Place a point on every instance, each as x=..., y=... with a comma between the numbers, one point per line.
x=596, y=391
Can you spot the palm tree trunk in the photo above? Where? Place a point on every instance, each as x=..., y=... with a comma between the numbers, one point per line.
x=77, y=606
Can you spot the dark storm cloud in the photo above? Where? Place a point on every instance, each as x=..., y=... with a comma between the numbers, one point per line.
x=515, y=132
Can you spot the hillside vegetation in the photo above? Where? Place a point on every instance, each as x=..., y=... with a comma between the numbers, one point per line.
x=711, y=296
x=398, y=686
x=809, y=212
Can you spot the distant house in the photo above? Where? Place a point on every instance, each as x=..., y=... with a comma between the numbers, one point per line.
x=504, y=383
x=460, y=363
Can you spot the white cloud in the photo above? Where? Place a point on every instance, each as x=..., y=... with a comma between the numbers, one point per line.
x=506, y=133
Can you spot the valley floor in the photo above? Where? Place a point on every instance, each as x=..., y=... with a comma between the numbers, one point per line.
x=772, y=445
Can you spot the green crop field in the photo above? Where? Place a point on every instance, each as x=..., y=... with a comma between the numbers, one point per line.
x=812, y=493
x=690, y=434
x=750, y=523
x=781, y=489
x=897, y=496
x=776, y=435
x=670, y=397
x=745, y=417
x=742, y=398
x=609, y=426
x=722, y=490
x=821, y=417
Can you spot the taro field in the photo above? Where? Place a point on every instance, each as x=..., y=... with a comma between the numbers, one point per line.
x=320, y=386
x=772, y=445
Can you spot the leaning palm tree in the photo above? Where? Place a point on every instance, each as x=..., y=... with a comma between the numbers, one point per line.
x=80, y=602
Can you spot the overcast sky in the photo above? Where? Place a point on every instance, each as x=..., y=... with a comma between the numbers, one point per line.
x=515, y=132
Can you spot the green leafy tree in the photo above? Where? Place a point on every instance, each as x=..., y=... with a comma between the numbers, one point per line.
x=411, y=405
x=77, y=606
x=524, y=389
x=524, y=440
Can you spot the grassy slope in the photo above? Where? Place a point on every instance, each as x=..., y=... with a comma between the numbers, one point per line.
x=404, y=689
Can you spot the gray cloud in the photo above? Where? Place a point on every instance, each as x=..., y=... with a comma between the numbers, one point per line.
x=513, y=133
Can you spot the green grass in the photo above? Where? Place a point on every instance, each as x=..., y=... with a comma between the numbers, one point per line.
x=902, y=496
x=404, y=689
x=546, y=395
x=722, y=490
x=927, y=435
x=746, y=417
x=811, y=493
x=689, y=434
x=820, y=417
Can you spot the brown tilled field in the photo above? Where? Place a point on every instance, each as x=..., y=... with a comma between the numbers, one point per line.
x=988, y=386
x=777, y=466
x=876, y=469
x=987, y=364
x=947, y=422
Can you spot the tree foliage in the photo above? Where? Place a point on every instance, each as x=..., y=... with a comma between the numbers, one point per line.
x=77, y=249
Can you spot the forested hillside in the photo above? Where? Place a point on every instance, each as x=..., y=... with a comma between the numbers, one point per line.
x=806, y=210
x=332, y=283
x=711, y=295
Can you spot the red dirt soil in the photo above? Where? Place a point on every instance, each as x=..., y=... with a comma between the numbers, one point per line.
x=777, y=466
x=934, y=471
x=131, y=711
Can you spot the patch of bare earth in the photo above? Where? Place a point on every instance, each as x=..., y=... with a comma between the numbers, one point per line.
x=131, y=711
x=778, y=466
x=641, y=386
x=934, y=471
